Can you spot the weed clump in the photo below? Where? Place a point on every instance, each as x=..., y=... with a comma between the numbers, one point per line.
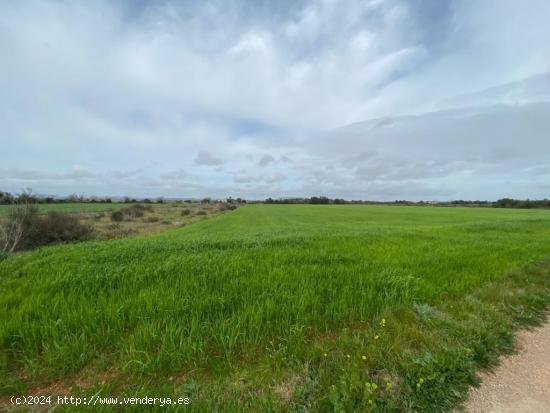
x=117, y=216
x=185, y=212
x=115, y=230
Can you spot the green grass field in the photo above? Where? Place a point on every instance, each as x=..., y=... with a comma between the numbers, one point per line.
x=279, y=308
x=77, y=207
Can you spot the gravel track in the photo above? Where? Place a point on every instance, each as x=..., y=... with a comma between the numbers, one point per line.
x=521, y=383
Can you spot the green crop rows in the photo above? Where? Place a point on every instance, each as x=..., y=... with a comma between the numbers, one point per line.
x=280, y=308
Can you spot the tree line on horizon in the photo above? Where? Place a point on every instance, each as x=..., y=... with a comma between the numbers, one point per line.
x=26, y=197
x=501, y=203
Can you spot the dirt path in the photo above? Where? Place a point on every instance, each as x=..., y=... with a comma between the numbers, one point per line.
x=521, y=384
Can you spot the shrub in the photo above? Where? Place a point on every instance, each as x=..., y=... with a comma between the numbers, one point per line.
x=151, y=219
x=117, y=216
x=226, y=207
x=57, y=227
x=16, y=228
x=134, y=211
x=186, y=211
x=25, y=229
x=201, y=213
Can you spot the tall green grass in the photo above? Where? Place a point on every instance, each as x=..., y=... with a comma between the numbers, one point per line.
x=281, y=308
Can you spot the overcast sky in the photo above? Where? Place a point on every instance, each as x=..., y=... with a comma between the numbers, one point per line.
x=371, y=99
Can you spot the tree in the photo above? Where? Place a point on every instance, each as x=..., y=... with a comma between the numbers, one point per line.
x=75, y=198
x=6, y=198
x=318, y=200
x=26, y=197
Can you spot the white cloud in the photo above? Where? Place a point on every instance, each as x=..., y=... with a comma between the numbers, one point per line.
x=175, y=175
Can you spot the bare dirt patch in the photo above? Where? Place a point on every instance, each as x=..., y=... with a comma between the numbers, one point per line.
x=521, y=383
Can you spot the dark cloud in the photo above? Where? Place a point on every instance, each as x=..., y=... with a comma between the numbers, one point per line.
x=206, y=158
x=266, y=160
